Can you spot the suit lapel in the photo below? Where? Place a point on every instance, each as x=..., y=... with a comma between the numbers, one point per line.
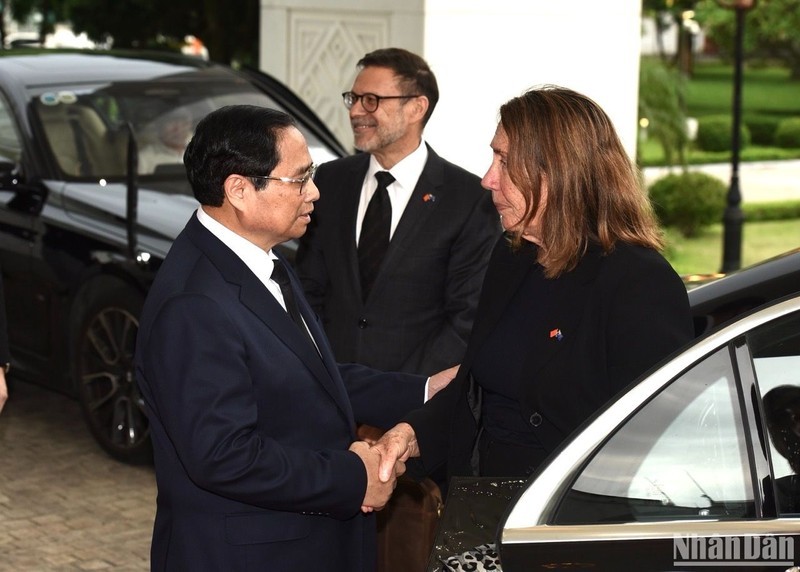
x=255, y=296
x=424, y=200
x=263, y=304
x=506, y=272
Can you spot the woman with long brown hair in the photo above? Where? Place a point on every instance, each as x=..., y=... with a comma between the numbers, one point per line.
x=576, y=304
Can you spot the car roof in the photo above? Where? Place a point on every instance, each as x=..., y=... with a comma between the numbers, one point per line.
x=41, y=68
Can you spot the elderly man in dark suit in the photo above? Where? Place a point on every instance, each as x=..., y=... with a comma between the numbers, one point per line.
x=394, y=259
x=253, y=422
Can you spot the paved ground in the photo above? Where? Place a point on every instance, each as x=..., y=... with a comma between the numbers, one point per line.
x=64, y=504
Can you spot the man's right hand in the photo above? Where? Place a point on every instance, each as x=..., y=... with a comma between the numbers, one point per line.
x=398, y=444
x=378, y=489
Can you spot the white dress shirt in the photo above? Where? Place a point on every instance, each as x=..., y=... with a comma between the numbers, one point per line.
x=406, y=174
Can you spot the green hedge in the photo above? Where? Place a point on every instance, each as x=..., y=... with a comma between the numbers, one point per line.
x=762, y=128
x=788, y=133
x=688, y=201
x=714, y=133
x=777, y=210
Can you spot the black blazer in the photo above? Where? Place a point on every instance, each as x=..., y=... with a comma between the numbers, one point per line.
x=420, y=310
x=618, y=315
x=250, y=425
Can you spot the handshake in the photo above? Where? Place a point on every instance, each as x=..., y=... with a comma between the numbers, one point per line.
x=385, y=458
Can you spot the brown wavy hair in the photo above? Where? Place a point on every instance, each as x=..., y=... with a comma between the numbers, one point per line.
x=594, y=193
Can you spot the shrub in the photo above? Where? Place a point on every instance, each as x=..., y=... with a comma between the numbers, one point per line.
x=776, y=210
x=688, y=201
x=762, y=128
x=714, y=133
x=788, y=133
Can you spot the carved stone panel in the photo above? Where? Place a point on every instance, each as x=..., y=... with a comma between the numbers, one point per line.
x=324, y=49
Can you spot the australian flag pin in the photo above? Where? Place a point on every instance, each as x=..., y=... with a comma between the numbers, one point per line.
x=429, y=198
x=556, y=334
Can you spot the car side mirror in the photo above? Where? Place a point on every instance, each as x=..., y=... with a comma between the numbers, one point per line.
x=27, y=198
x=9, y=173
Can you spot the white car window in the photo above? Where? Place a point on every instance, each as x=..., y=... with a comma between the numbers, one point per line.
x=683, y=455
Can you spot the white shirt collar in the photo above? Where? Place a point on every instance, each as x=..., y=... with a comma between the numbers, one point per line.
x=254, y=257
x=259, y=261
x=406, y=172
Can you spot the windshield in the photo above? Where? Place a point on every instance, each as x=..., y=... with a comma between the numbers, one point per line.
x=86, y=126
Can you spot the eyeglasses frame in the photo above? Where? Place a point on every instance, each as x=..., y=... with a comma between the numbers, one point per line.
x=360, y=97
x=305, y=178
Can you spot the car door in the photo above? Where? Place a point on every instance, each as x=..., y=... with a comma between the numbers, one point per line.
x=678, y=474
x=19, y=202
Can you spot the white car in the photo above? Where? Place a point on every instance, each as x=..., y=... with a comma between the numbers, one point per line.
x=693, y=466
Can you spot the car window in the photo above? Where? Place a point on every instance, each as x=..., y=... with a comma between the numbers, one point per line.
x=86, y=127
x=775, y=348
x=10, y=145
x=682, y=456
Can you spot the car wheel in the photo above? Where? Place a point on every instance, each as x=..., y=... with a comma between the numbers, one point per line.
x=104, y=372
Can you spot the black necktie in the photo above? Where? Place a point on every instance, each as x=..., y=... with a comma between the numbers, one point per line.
x=280, y=276
x=374, y=239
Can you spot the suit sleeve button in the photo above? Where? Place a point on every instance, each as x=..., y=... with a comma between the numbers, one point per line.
x=535, y=419
x=362, y=323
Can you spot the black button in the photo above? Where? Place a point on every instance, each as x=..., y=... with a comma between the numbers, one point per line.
x=362, y=323
x=535, y=419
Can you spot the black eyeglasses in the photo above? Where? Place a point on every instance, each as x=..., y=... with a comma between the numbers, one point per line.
x=303, y=180
x=369, y=101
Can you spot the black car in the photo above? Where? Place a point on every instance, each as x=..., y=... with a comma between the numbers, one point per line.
x=716, y=301
x=83, y=229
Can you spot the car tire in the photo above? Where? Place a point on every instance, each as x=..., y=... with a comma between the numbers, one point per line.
x=102, y=361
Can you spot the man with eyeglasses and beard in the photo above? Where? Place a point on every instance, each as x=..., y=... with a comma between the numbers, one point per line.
x=398, y=294
x=394, y=258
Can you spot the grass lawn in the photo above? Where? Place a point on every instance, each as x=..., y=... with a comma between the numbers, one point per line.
x=765, y=92
x=703, y=254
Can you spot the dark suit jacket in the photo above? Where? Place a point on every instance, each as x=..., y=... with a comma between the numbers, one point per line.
x=420, y=310
x=250, y=425
x=618, y=315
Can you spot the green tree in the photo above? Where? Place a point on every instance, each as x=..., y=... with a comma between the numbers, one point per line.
x=51, y=11
x=665, y=13
x=228, y=28
x=772, y=30
x=662, y=97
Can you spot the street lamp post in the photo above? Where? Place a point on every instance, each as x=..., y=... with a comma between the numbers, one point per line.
x=733, y=218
